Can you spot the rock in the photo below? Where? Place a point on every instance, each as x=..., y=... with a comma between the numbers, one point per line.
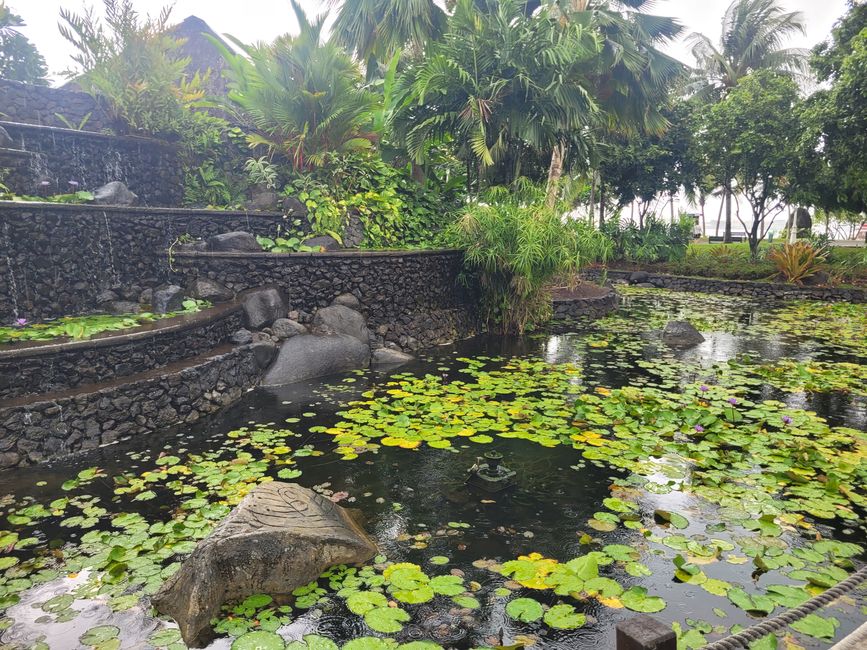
x=262, y=199
x=166, y=298
x=637, y=277
x=353, y=233
x=324, y=243
x=114, y=193
x=818, y=278
x=241, y=337
x=122, y=307
x=307, y=356
x=681, y=334
x=294, y=208
x=283, y=328
x=347, y=300
x=6, y=141
x=234, y=242
x=211, y=290
x=338, y=319
x=264, y=353
x=280, y=537
x=390, y=357
x=146, y=297
x=106, y=296
x=263, y=306
x=803, y=223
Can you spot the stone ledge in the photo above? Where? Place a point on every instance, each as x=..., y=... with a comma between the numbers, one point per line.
x=568, y=310
x=40, y=428
x=133, y=209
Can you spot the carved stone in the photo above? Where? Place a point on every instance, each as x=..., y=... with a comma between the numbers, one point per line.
x=281, y=536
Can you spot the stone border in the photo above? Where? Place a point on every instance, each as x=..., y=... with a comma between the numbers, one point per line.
x=52, y=426
x=746, y=288
x=570, y=310
x=37, y=367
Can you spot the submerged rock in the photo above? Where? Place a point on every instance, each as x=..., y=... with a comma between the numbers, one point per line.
x=339, y=319
x=390, y=357
x=307, y=356
x=114, y=193
x=234, y=242
x=681, y=334
x=263, y=306
x=280, y=537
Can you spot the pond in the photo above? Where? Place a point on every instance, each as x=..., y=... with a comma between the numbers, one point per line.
x=709, y=488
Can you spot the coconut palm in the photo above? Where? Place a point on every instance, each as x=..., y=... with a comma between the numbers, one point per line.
x=753, y=34
x=374, y=30
x=300, y=97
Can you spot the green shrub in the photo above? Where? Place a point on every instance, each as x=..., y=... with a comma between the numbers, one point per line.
x=798, y=261
x=516, y=245
x=656, y=241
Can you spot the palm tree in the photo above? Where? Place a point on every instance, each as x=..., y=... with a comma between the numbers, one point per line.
x=374, y=30
x=753, y=32
x=300, y=97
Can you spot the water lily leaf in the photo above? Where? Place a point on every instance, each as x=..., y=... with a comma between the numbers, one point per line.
x=817, y=626
x=439, y=560
x=636, y=599
x=605, y=587
x=419, y=645
x=386, y=620
x=673, y=518
x=259, y=640
x=769, y=642
x=362, y=602
x=526, y=610
x=447, y=585
x=164, y=638
x=564, y=617
x=467, y=602
x=99, y=634
x=370, y=643
x=422, y=594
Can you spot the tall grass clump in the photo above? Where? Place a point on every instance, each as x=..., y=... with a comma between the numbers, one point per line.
x=515, y=245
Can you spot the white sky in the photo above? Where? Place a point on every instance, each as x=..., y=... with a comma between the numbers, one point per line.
x=254, y=20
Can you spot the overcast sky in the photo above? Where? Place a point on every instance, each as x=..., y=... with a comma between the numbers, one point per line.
x=254, y=20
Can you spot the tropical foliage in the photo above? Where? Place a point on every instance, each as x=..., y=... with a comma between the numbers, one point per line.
x=19, y=58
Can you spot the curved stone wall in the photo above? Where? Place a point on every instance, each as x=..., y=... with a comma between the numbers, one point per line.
x=150, y=168
x=48, y=366
x=55, y=259
x=413, y=298
x=568, y=310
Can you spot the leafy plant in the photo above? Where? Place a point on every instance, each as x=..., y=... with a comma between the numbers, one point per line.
x=73, y=125
x=798, y=261
x=261, y=172
x=655, y=241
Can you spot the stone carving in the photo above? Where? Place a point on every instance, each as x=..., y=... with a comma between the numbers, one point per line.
x=281, y=536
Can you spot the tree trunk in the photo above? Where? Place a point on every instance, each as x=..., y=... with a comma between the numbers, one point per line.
x=672, y=208
x=601, y=203
x=592, y=199
x=727, y=235
x=555, y=171
x=701, y=202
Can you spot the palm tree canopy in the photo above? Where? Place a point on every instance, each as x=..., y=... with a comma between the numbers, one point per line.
x=753, y=34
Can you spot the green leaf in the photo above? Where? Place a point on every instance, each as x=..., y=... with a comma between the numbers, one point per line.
x=386, y=620
x=467, y=602
x=816, y=626
x=362, y=602
x=259, y=640
x=525, y=610
x=99, y=634
x=564, y=617
x=636, y=599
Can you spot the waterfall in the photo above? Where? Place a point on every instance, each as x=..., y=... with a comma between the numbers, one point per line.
x=13, y=285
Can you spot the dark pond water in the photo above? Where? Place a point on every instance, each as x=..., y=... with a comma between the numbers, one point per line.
x=404, y=493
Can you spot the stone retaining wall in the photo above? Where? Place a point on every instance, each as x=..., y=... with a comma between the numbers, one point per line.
x=45, y=367
x=150, y=168
x=568, y=310
x=744, y=288
x=20, y=102
x=55, y=259
x=413, y=298
x=52, y=426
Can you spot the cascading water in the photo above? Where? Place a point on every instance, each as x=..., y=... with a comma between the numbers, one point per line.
x=13, y=285
x=111, y=266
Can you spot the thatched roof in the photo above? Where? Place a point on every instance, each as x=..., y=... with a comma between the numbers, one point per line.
x=201, y=51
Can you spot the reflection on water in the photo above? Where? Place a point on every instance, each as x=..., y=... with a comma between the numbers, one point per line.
x=406, y=493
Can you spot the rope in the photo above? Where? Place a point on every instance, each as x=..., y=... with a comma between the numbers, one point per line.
x=759, y=630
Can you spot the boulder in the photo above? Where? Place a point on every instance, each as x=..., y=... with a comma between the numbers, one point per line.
x=263, y=306
x=121, y=307
x=803, y=223
x=263, y=352
x=166, y=298
x=347, y=300
x=6, y=141
x=307, y=356
x=241, y=337
x=283, y=328
x=106, y=296
x=146, y=296
x=280, y=537
x=390, y=357
x=294, y=208
x=262, y=199
x=638, y=277
x=338, y=319
x=681, y=334
x=234, y=242
x=324, y=243
x=114, y=193
x=211, y=290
